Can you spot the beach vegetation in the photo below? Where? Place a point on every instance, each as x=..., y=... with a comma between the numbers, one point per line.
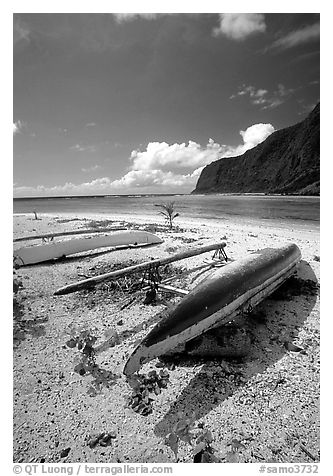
x=144, y=387
x=99, y=223
x=83, y=340
x=199, y=438
x=168, y=212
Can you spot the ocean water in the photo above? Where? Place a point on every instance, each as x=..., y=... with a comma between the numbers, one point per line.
x=302, y=212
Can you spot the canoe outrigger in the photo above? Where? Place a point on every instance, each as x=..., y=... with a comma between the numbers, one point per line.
x=217, y=299
x=238, y=287
x=147, y=266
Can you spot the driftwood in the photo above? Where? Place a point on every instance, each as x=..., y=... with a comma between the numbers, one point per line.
x=86, y=283
x=67, y=233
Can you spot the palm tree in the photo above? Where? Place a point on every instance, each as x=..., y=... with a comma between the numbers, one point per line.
x=168, y=211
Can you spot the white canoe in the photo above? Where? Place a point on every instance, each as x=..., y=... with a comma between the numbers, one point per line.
x=53, y=250
x=51, y=236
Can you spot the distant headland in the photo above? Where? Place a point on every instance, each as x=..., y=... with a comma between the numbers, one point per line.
x=287, y=162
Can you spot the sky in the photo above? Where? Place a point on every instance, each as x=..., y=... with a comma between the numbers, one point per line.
x=140, y=103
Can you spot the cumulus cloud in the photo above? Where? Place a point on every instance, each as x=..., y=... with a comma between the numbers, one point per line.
x=184, y=157
x=100, y=185
x=239, y=26
x=262, y=97
x=255, y=134
x=161, y=167
x=298, y=37
x=153, y=178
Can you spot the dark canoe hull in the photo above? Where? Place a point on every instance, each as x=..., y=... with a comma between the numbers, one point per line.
x=237, y=287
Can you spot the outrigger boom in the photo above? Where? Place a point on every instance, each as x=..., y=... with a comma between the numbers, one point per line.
x=86, y=283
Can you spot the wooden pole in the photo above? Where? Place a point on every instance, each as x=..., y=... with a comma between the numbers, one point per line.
x=65, y=233
x=71, y=288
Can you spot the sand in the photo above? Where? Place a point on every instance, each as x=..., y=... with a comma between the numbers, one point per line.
x=263, y=407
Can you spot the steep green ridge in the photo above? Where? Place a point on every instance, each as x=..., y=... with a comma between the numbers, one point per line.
x=286, y=162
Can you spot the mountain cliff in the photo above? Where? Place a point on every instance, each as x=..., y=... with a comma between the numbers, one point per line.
x=286, y=162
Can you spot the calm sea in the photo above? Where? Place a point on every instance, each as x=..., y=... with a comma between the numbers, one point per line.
x=270, y=210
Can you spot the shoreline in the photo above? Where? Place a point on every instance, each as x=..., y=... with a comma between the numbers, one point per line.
x=236, y=194
x=266, y=401
x=236, y=221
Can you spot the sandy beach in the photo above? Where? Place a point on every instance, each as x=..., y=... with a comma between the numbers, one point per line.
x=262, y=406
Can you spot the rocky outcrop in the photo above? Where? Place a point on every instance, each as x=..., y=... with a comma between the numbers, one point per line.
x=286, y=162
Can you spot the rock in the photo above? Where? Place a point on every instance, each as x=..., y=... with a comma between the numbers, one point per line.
x=103, y=439
x=94, y=441
x=64, y=453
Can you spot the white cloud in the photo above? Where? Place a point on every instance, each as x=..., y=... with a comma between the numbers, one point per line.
x=100, y=185
x=172, y=165
x=162, y=167
x=162, y=156
x=239, y=26
x=258, y=96
x=149, y=178
x=263, y=98
x=93, y=168
x=299, y=37
x=62, y=131
x=255, y=134
x=125, y=17
x=83, y=148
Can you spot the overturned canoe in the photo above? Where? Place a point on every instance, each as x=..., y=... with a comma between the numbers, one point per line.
x=53, y=250
x=237, y=287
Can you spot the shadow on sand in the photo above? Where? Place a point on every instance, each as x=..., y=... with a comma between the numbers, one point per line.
x=284, y=314
x=25, y=326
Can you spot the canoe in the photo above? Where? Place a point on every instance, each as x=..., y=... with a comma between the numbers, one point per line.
x=53, y=250
x=235, y=288
x=51, y=236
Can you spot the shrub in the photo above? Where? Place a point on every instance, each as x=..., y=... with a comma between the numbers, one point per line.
x=168, y=212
